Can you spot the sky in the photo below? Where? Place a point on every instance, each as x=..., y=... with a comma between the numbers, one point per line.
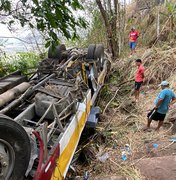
x=14, y=44
x=4, y=31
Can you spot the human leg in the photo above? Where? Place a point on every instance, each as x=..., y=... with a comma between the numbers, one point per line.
x=154, y=115
x=137, y=95
x=137, y=90
x=160, y=123
x=133, y=47
x=150, y=116
x=149, y=122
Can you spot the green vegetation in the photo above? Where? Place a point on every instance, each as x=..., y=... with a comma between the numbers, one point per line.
x=49, y=17
x=26, y=62
x=96, y=33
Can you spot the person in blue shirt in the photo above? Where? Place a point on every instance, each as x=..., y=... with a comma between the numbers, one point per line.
x=165, y=98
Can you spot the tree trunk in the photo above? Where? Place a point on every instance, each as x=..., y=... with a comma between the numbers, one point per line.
x=119, y=28
x=158, y=24
x=110, y=8
x=124, y=21
x=107, y=26
x=104, y=3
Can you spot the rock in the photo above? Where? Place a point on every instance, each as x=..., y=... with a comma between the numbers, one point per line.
x=158, y=168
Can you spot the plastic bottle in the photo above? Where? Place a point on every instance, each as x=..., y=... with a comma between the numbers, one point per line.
x=124, y=156
x=128, y=149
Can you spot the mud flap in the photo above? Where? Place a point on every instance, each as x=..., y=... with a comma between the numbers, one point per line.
x=92, y=120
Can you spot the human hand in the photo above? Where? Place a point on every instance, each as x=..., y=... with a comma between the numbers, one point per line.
x=155, y=108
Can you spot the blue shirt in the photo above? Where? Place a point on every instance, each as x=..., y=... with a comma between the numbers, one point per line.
x=166, y=95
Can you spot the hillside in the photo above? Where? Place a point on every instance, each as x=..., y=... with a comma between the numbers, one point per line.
x=122, y=122
x=152, y=154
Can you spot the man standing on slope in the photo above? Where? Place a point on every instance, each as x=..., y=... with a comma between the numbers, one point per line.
x=165, y=98
x=133, y=40
x=139, y=78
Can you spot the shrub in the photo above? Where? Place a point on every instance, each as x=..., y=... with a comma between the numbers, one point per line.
x=26, y=62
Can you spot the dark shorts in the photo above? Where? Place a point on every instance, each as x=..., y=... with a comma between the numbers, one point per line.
x=138, y=85
x=154, y=115
x=132, y=45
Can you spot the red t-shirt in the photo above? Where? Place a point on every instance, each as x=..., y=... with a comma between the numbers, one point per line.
x=139, y=74
x=133, y=36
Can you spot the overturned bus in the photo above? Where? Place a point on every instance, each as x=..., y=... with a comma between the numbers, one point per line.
x=42, y=117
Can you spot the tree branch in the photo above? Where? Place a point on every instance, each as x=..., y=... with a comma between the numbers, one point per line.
x=6, y=37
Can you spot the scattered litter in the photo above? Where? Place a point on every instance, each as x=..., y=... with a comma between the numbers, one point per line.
x=155, y=146
x=128, y=149
x=124, y=156
x=104, y=157
x=86, y=176
x=173, y=139
x=143, y=93
x=115, y=147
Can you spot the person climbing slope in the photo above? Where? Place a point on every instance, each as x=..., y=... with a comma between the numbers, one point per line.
x=139, y=78
x=133, y=40
x=165, y=98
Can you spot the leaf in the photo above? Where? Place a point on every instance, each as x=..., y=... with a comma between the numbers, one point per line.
x=36, y=2
x=48, y=43
x=51, y=19
x=50, y=16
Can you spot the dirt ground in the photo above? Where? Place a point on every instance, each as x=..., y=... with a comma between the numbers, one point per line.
x=122, y=124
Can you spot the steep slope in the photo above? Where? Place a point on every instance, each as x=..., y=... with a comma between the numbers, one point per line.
x=123, y=120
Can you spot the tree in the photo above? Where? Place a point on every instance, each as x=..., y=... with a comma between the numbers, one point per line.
x=114, y=17
x=109, y=18
x=49, y=16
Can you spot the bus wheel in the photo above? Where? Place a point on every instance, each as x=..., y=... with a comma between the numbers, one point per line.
x=15, y=149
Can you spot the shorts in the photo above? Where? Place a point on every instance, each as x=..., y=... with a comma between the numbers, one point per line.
x=154, y=115
x=138, y=85
x=132, y=45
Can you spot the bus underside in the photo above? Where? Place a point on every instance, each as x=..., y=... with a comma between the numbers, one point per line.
x=42, y=117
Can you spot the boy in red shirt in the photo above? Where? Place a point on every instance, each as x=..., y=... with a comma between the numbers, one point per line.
x=133, y=40
x=139, y=78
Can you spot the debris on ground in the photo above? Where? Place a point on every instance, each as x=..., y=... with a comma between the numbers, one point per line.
x=120, y=143
x=104, y=157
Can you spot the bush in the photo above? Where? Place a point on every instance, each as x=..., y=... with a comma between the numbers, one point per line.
x=26, y=62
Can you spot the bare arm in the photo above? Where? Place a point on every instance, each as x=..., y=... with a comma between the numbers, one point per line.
x=158, y=104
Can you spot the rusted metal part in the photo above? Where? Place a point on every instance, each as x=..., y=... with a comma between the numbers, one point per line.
x=11, y=81
x=31, y=90
x=13, y=93
x=55, y=109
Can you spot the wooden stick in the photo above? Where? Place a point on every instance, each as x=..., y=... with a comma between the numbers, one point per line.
x=111, y=100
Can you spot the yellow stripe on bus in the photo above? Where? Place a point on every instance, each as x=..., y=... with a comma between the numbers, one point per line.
x=64, y=158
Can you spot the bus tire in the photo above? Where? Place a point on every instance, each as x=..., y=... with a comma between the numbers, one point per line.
x=15, y=149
